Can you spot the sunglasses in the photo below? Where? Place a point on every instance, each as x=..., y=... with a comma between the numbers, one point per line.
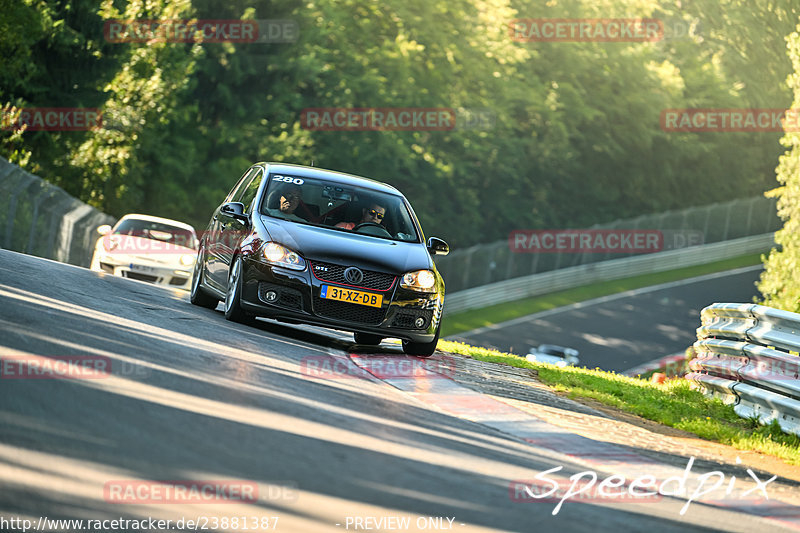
x=375, y=214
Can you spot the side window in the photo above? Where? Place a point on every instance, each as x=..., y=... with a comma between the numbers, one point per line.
x=236, y=192
x=249, y=193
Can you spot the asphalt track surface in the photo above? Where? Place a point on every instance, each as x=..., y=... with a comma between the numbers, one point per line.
x=194, y=397
x=625, y=330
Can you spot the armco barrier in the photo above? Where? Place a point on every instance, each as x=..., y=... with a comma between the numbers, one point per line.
x=483, y=264
x=565, y=278
x=747, y=355
x=41, y=219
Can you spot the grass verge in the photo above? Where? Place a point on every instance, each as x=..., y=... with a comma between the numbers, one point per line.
x=476, y=318
x=672, y=403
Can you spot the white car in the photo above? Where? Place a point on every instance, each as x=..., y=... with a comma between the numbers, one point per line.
x=554, y=355
x=147, y=248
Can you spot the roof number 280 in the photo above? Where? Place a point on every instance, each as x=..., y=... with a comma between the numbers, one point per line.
x=288, y=179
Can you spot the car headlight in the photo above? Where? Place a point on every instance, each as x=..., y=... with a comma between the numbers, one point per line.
x=187, y=260
x=419, y=280
x=278, y=255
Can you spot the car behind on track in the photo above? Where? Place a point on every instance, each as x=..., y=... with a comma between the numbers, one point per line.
x=555, y=355
x=147, y=248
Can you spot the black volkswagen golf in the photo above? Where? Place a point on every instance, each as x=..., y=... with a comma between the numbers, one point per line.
x=313, y=246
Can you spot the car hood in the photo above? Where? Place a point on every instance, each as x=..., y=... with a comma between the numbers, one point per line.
x=126, y=248
x=323, y=244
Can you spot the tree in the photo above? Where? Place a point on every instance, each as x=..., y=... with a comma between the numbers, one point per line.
x=778, y=283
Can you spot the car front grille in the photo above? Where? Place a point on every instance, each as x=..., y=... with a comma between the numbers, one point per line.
x=405, y=318
x=288, y=298
x=140, y=277
x=348, y=312
x=333, y=273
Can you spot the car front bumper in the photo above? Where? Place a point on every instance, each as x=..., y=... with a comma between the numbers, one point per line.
x=176, y=278
x=297, y=298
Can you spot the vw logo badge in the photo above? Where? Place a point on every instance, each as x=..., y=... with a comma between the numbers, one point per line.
x=353, y=275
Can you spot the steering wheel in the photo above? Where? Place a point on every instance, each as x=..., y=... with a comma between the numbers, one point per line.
x=372, y=228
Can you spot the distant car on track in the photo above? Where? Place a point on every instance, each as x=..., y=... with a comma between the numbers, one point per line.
x=553, y=354
x=290, y=243
x=147, y=248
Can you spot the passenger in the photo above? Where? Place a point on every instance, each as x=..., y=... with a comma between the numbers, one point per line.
x=374, y=213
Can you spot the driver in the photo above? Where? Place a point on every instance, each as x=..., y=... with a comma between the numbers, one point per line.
x=284, y=202
x=373, y=213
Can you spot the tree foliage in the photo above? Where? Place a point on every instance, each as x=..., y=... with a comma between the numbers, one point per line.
x=778, y=283
x=575, y=137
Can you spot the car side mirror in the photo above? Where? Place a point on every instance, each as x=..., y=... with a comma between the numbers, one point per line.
x=437, y=246
x=105, y=229
x=235, y=210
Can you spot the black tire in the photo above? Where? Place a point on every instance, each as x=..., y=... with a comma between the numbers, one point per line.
x=198, y=295
x=233, y=296
x=422, y=349
x=367, y=339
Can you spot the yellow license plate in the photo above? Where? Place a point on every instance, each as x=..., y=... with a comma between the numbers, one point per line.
x=353, y=297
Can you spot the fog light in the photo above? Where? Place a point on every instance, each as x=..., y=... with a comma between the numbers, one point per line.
x=271, y=296
x=419, y=322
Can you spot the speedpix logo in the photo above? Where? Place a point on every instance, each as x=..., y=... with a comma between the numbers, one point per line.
x=589, y=486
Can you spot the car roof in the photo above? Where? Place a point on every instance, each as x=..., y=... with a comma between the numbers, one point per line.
x=151, y=218
x=329, y=175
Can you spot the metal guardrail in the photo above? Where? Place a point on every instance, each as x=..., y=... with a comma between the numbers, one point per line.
x=747, y=355
x=565, y=278
x=483, y=264
x=38, y=218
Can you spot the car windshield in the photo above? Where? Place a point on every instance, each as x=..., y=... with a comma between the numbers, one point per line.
x=339, y=207
x=158, y=231
x=551, y=350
